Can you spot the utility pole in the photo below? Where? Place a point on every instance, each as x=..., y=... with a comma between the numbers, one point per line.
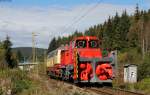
x=116, y=70
x=34, y=50
x=45, y=61
x=143, y=40
x=33, y=47
x=34, y=57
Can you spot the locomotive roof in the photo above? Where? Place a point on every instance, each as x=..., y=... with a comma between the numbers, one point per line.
x=86, y=37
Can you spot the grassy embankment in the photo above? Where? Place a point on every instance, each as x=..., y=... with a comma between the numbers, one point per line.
x=32, y=83
x=133, y=56
x=19, y=82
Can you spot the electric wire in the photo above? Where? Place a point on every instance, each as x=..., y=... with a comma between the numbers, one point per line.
x=83, y=16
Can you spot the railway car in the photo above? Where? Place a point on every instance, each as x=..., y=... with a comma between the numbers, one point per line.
x=81, y=61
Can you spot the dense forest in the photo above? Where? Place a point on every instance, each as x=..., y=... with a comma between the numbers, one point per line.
x=118, y=32
x=129, y=34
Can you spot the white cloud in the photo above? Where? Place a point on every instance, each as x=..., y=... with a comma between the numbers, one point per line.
x=20, y=22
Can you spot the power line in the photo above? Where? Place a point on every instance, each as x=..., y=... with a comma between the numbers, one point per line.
x=84, y=15
x=76, y=16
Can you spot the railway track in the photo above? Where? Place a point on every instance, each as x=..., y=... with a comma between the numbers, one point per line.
x=107, y=90
x=100, y=91
x=112, y=91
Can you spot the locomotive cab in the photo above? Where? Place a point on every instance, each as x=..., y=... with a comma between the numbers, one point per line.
x=87, y=42
x=83, y=43
x=88, y=47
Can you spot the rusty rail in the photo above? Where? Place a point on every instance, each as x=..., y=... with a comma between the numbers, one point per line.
x=112, y=91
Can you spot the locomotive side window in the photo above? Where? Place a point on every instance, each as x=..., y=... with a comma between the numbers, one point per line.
x=81, y=43
x=93, y=44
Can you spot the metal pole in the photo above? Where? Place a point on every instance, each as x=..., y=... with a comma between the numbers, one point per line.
x=33, y=47
x=116, y=70
x=34, y=50
x=116, y=65
x=45, y=61
x=143, y=40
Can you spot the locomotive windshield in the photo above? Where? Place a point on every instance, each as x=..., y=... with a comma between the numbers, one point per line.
x=81, y=44
x=93, y=44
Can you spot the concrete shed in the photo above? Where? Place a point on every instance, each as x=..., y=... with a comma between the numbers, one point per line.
x=130, y=73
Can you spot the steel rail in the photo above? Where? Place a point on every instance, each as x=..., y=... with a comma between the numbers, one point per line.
x=113, y=91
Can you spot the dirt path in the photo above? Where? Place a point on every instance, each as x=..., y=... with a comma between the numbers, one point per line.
x=57, y=87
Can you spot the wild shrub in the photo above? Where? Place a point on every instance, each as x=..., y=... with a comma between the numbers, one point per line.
x=20, y=85
x=144, y=68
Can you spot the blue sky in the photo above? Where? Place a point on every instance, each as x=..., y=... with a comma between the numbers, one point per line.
x=69, y=3
x=51, y=18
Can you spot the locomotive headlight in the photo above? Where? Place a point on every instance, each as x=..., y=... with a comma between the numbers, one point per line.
x=83, y=66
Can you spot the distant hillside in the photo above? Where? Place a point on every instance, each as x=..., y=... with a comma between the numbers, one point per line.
x=27, y=51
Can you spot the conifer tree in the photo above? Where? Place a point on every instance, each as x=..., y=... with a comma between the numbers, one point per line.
x=116, y=32
x=124, y=29
x=108, y=34
x=8, y=53
x=52, y=45
x=137, y=13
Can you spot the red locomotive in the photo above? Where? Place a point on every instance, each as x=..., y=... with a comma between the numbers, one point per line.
x=80, y=61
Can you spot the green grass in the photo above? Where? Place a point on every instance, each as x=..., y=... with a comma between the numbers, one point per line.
x=143, y=85
x=14, y=80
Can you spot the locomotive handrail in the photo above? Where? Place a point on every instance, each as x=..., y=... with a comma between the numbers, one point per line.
x=105, y=59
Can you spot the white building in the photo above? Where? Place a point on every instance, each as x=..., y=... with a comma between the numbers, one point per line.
x=130, y=73
x=27, y=66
